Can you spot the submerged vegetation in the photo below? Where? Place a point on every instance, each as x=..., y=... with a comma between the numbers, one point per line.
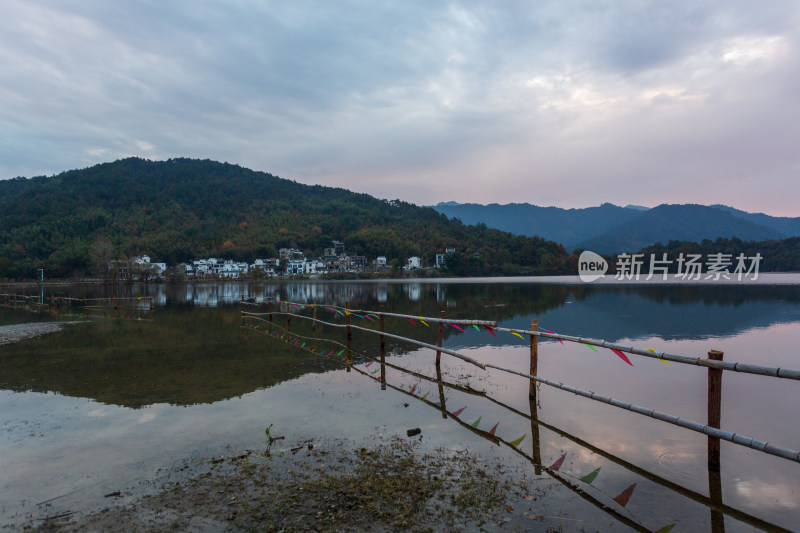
x=332, y=487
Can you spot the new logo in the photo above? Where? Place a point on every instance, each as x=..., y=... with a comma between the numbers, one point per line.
x=591, y=266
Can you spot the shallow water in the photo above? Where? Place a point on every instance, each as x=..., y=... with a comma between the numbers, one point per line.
x=102, y=406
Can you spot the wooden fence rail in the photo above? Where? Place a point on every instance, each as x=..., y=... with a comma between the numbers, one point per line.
x=653, y=354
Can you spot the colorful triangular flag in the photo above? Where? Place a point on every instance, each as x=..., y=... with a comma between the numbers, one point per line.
x=551, y=333
x=560, y=461
x=588, y=478
x=518, y=441
x=622, y=356
x=662, y=360
x=625, y=495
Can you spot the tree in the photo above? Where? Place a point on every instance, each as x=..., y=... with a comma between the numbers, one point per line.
x=100, y=254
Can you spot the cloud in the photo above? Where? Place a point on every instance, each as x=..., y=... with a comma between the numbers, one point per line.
x=566, y=103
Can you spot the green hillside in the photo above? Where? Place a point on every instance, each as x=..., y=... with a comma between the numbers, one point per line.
x=183, y=209
x=777, y=255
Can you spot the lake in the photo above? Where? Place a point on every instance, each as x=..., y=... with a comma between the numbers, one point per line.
x=112, y=403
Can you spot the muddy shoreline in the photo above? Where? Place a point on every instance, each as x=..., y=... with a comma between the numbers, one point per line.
x=18, y=332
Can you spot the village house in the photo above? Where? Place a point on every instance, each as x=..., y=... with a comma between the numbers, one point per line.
x=269, y=267
x=316, y=266
x=440, y=258
x=296, y=267
x=356, y=263
x=233, y=269
x=155, y=268
x=137, y=268
x=187, y=268
x=291, y=262
x=379, y=264
x=208, y=267
x=289, y=253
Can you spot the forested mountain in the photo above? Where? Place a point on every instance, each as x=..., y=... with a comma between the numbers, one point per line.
x=567, y=226
x=609, y=228
x=787, y=226
x=673, y=222
x=182, y=209
x=777, y=256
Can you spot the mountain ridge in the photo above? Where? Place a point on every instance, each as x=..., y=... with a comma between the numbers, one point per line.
x=677, y=222
x=625, y=229
x=566, y=226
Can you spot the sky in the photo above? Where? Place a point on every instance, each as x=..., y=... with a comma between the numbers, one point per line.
x=565, y=103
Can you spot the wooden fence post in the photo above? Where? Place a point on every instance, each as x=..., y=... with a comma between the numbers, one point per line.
x=314, y=325
x=441, y=392
x=349, y=335
x=715, y=493
x=535, y=444
x=534, y=358
x=349, y=321
x=314, y=306
x=714, y=408
x=439, y=342
x=382, y=321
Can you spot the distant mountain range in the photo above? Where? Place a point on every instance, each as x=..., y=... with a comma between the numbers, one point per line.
x=567, y=226
x=609, y=228
x=177, y=210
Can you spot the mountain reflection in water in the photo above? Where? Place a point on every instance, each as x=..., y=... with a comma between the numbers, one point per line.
x=192, y=351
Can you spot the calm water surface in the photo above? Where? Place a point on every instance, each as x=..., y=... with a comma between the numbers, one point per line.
x=106, y=405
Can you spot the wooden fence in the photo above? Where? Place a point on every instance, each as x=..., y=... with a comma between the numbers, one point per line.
x=132, y=308
x=263, y=313
x=714, y=363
